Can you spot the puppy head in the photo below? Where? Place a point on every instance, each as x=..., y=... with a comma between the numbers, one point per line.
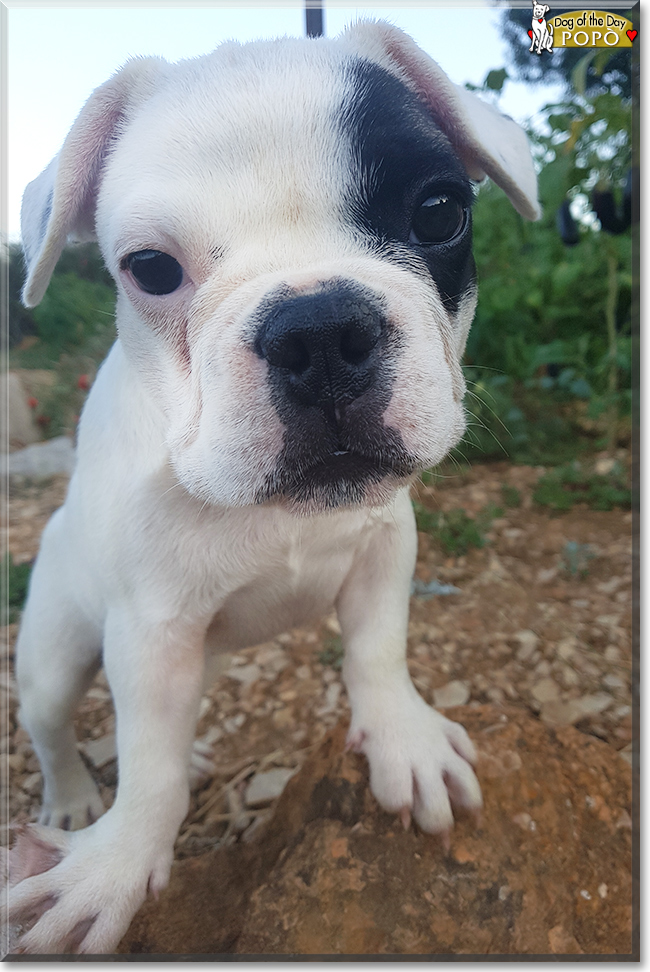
x=289, y=227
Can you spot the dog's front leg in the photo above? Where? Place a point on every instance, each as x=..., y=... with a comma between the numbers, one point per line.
x=103, y=874
x=420, y=762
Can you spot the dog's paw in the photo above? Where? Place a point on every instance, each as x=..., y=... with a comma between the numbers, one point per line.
x=420, y=762
x=77, y=892
x=72, y=807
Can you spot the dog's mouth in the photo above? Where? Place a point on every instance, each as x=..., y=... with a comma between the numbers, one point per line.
x=340, y=477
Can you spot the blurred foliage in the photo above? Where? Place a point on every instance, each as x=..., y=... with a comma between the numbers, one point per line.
x=332, y=654
x=69, y=332
x=454, y=531
x=549, y=352
x=575, y=482
x=15, y=580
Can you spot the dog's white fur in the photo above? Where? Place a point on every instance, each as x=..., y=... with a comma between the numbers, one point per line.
x=542, y=36
x=160, y=549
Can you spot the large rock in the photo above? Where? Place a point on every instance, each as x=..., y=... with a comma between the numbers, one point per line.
x=548, y=872
x=41, y=460
x=15, y=414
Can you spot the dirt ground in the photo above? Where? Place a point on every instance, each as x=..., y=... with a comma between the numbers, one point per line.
x=524, y=628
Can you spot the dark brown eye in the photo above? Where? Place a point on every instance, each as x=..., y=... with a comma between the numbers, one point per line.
x=438, y=220
x=154, y=272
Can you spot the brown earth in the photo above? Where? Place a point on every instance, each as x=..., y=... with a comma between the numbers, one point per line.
x=547, y=871
x=523, y=631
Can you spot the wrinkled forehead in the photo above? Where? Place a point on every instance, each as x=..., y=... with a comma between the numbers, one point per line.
x=250, y=131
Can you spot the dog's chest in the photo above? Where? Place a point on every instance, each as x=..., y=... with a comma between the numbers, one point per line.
x=287, y=583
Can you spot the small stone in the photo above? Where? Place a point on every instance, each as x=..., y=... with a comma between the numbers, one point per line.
x=303, y=672
x=454, y=693
x=545, y=690
x=595, y=704
x=331, y=698
x=246, y=674
x=613, y=682
x=543, y=668
x=611, y=585
x=566, y=648
x=233, y=723
x=626, y=754
x=213, y=735
x=609, y=620
x=602, y=890
x=528, y=642
x=523, y=820
x=333, y=626
x=569, y=676
x=101, y=751
x=612, y=653
x=266, y=787
x=282, y=718
x=496, y=695
x=604, y=465
x=16, y=763
x=268, y=653
x=32, y=784
x=546, y=576
x=556, y=713
x=585, y=894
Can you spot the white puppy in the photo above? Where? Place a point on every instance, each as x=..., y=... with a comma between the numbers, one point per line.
x=289, y=228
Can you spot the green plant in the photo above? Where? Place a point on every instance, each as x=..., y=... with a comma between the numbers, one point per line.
x=513, y=420
x=332, y=654
x=511, y=495
x=562, y=488
x=454, y=530
x=16, y=581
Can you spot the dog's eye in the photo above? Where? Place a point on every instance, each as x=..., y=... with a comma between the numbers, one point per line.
x=154, y=272
x=438, y=220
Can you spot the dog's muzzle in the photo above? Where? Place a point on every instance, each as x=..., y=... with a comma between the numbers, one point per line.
x=331, y=359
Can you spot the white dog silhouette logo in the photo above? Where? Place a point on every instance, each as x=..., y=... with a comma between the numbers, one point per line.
x=541, y=35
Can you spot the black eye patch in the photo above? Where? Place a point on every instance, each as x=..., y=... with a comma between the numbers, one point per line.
x=154, y=272
x=409, y=191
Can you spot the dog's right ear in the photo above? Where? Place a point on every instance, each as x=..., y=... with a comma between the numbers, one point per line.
x=60, y=204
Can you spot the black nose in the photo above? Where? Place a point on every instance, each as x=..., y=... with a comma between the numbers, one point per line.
x=323, y=348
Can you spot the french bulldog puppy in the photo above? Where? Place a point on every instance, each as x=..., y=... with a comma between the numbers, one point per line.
x=289, y=228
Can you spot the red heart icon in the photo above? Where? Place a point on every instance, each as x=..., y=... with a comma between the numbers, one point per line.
x=530, y=33
x=631, y=34
x=539, y=20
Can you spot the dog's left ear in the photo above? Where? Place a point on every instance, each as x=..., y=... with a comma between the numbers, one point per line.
x=487, y=142
x=59, y=205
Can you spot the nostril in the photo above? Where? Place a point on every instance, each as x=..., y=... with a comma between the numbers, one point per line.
x=358, y=340
x=288, y=351
x=295, y=355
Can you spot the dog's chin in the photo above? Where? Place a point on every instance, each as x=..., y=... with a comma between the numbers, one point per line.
x=339, y=481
